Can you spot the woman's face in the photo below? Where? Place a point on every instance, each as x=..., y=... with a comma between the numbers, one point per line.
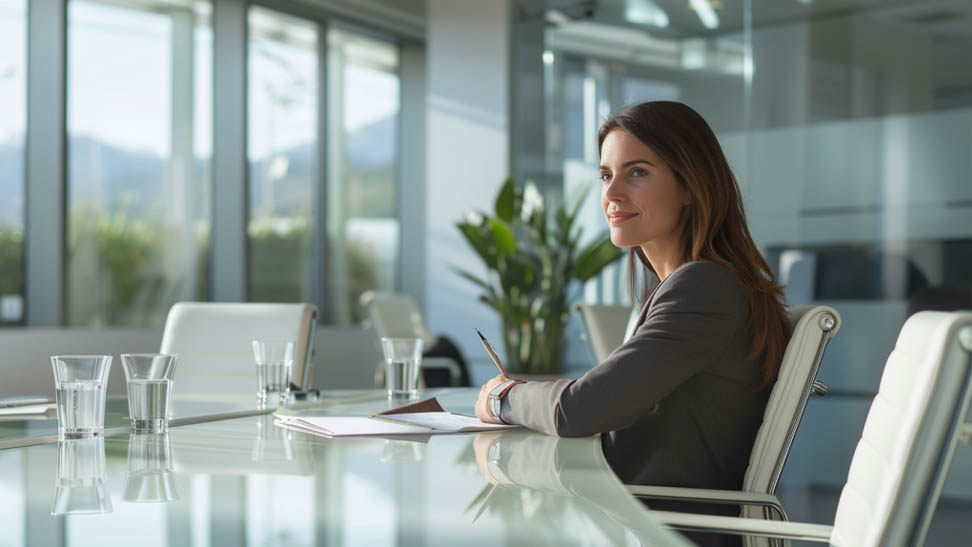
x=641, y=198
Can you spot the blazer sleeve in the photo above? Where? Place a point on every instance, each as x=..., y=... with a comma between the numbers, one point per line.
x=693, y=316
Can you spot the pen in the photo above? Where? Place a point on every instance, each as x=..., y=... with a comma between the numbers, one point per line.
x=485, y=503
x=492, y=354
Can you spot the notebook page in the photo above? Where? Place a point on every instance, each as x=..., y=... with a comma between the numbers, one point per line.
x=444, y=421
x=345, y=426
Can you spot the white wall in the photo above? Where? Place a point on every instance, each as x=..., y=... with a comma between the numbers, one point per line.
x=467, y=154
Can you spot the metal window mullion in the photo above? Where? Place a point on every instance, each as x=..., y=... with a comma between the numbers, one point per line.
x=410, y=199
x=229, y=257
x=319, y=246
x=46, y=158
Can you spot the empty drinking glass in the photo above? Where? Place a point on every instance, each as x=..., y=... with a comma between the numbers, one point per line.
x=149, y=378
x=274, y=360
x=80, y=382
x=403, y=360
x=81, y=478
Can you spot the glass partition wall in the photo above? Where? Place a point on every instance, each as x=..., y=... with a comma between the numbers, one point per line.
x=849, y=126
x=849, y=131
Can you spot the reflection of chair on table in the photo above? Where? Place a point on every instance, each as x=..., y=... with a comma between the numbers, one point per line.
x=397, y=316
x=903, y=456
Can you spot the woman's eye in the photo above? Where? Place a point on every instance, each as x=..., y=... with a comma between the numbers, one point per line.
x=604, y=177
x=639, y=172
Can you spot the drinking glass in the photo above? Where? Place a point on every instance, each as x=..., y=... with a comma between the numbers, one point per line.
x=274, y=360
x=150, y=475
x=82, y=481
x=149, y=377
x=80, y=382
x=403, y=360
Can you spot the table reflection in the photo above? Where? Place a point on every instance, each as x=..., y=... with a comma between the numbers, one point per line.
x=81, y=478
x=398, y=450
x=150, y=474
x=272, y=442
x=246, y=482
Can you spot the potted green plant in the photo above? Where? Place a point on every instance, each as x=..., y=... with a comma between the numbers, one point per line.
x=531, y=261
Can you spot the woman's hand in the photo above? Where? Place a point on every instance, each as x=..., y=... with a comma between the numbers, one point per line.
x=482, y=404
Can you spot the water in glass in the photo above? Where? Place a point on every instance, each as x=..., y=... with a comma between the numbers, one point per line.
x=80, y=409
x=273, y=380
x=402, y=376
x=148, y=402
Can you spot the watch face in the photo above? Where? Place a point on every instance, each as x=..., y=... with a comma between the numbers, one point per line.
x=494, y=406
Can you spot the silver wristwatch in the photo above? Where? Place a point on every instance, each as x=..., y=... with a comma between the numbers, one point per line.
x=496, y=397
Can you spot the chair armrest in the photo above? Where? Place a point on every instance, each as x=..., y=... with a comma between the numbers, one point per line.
x=704, y=495
x=744, y=527
x=455, y=373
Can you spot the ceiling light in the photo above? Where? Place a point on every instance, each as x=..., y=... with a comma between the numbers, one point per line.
x=705, y=12
x=645, y=12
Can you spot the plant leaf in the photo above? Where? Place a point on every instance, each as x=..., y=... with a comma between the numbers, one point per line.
x=474, y=236
x=473, y=279
x=503, y=237
x=506, y=201
x=595, y=257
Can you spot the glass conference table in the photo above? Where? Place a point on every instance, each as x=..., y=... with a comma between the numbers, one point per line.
x=25, y=430
x=231, y=477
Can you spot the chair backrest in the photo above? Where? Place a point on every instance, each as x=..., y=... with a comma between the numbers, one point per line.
x=396, y=315
x=910, y=434
x=214, y=342
x=604, y=326
x=812, y=328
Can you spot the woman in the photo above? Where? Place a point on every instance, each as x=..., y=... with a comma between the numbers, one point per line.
x=679, y=403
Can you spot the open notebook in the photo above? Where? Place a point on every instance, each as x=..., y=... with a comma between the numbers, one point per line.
x=422, y=418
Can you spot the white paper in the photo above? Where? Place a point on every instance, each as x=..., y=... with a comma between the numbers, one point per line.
x=343, y=426
x=444, y=421
x=27, y=409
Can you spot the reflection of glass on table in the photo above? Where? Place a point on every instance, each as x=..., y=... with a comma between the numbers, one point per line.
x=81, y=478
x=272, y=441
x=150, y=476
x=402, y=451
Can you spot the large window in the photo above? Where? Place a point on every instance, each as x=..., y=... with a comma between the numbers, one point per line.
x=282, y=150
x=13, y=109
x=139, y=98
x=362, y=222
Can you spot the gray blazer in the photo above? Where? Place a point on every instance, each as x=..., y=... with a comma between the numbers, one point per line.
x=679, y=403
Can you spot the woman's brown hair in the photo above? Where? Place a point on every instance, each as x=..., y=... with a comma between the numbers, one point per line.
x=713, y=224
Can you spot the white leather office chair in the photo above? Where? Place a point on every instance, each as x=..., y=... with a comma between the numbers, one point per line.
x=395, y=315
x=903, y=456
x=812, y=329
x=606, y=327
x=214, y=343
